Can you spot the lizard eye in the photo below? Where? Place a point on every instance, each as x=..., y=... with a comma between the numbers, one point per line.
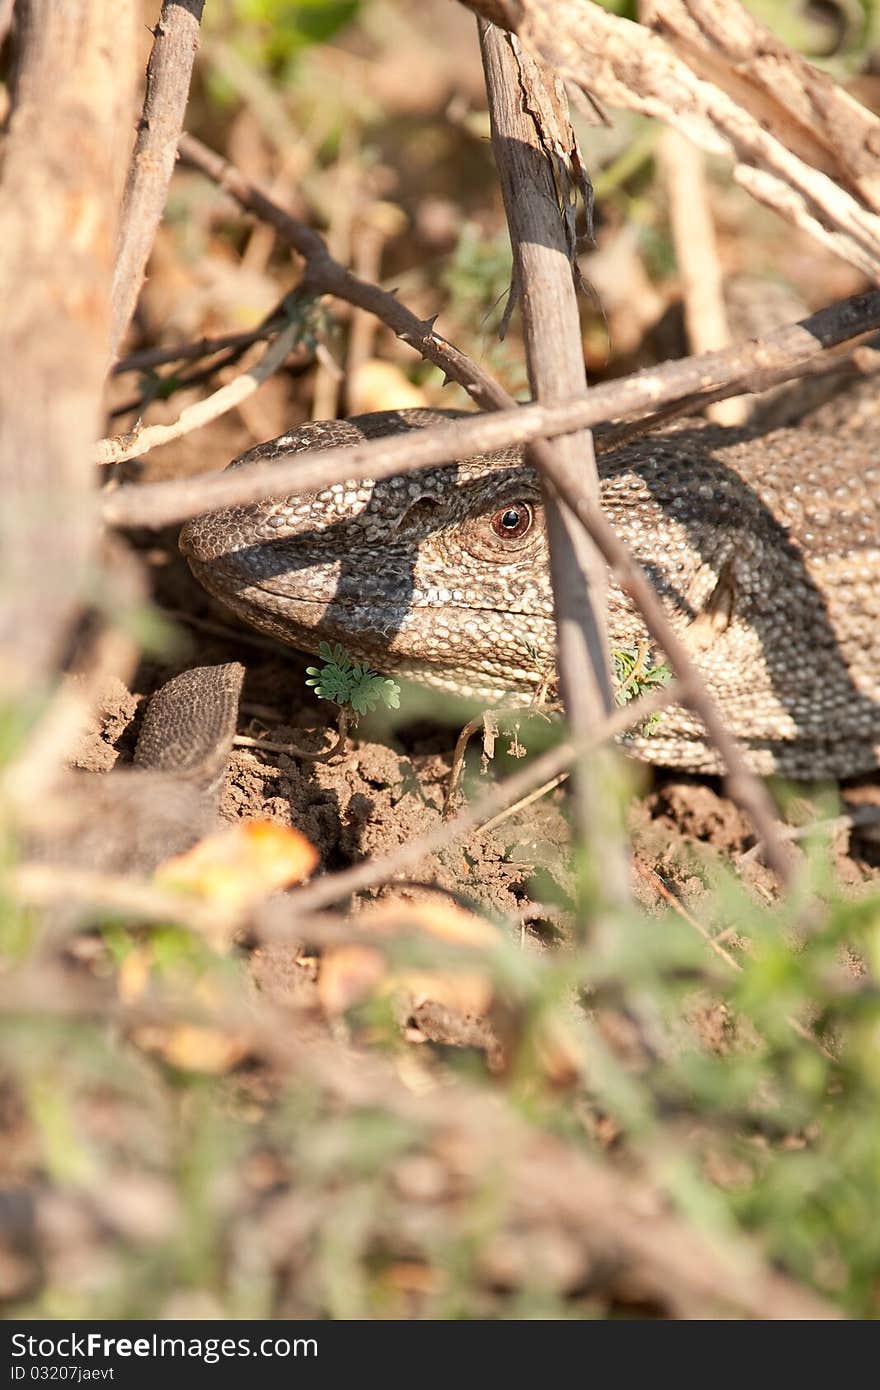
x=512, y=521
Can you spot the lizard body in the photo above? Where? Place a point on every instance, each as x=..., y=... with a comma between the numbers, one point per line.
x=765, y=551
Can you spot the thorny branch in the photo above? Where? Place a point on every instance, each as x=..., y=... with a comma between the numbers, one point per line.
x=798, y=349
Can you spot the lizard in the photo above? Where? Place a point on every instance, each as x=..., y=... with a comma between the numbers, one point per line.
x=764, y=549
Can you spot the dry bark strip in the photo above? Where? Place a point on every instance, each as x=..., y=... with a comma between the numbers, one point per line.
x=626, y=64
x=62, y=174
x=176, y=39
x=802, y=106
x=529, y=112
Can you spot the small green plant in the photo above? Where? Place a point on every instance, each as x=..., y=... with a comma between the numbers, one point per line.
x=351, y=683
x=636, y=674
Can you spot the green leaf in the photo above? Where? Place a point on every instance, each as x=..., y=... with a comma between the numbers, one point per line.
x=349, y=683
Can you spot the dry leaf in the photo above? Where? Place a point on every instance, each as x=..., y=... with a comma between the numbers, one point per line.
x=377, y=385
x=134, y=973
x=238, y=866
x=347, y=975
x=350, y=974
x=191, y=1047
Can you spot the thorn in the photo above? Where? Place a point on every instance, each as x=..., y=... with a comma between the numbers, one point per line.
x=448, y=380
x=428, y=324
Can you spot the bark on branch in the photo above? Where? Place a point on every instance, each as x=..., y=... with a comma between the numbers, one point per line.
x=62, y=174
x=176, y=39
x=524, y=102
x=756, y=365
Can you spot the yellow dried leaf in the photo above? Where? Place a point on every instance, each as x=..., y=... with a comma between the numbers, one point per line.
x=348, y=974
x=134, y=973
x=191, y=1047
x=238, y=866
x=377, y=385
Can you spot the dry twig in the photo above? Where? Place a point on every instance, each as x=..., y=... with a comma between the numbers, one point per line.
x=145, y=437
x=148, y=358
x=696, y=254
x=529, y=113
x=798, y=349
x=335, y=887
x=282, y=919
x=152, y=163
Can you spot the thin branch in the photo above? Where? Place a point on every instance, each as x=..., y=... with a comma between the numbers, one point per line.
x=193, y=417
x=283, y=919
x=743, y=786
x=757, y=365
x=53, y=885
x=148, y=358
x=324, y=275
x=152, y=164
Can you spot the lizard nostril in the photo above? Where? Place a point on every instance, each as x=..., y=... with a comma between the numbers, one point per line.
x=423, y=509
x=512, y=521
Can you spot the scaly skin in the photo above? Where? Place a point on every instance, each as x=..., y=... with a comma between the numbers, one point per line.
x=765, y=551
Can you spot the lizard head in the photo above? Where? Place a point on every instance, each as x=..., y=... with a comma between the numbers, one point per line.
x=439, y=576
